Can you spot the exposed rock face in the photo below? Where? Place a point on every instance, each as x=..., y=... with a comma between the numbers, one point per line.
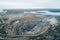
x=28, y=24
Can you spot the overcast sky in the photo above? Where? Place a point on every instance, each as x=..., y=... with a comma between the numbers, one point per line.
x=14, y=4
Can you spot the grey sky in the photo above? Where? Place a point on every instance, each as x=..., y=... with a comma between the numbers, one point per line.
x=29, y=4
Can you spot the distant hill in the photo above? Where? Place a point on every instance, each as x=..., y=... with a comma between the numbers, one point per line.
x=29, y=10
